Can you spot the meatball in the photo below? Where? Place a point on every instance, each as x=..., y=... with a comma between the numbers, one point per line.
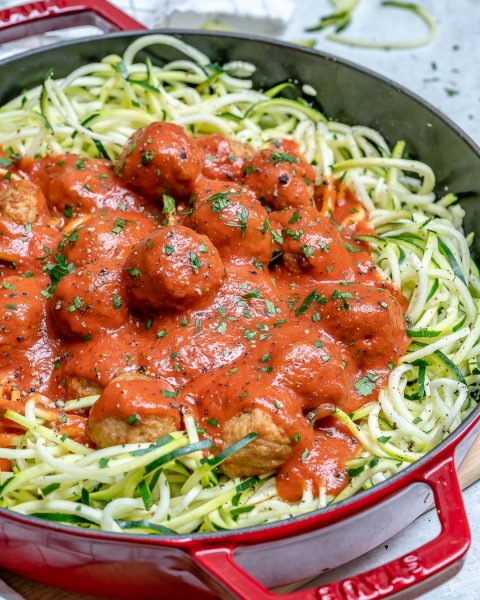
x=106, y=235
x=172, y=269
x=281, y=179
x=233, y=219
x=231, y=403
x=311, y=365
x=224, y=159
x=352, y=314
x=312, y=244
x=22, y=202
x=74, y=185
x=79, y=387
x=132, y=409
x=265, y=454
x=22, y=310
x=160, y=159
x=89, y=300
x=30, y=247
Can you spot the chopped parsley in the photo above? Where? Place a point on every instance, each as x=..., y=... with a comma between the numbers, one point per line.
x=279, y=157
x=355, y=471
x=220, y=200
x=169, y=208
x=146, y=157
x=366, y=384
x=383, y=439
x=294, y=234
x=242, y=217
x=343, y=296
x=313, y=296
x=195, y=262
x=117, y=301
x=77, y=303
x=351, y=248
x=222, y=327
x=294, y=218
x=57, y=271
x=307, y=251
x=133, y=419
x=119, y=225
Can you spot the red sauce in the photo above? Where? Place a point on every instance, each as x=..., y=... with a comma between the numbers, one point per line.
x=254, y=308
x=124, y=398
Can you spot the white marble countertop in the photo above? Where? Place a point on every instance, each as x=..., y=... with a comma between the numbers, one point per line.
x=446, y=74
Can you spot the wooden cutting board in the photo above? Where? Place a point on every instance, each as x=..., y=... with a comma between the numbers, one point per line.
x=30, y=590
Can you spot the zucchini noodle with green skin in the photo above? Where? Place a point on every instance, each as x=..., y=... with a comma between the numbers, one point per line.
x=170, y=485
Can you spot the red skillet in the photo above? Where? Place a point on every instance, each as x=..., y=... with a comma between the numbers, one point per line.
x=246, y=563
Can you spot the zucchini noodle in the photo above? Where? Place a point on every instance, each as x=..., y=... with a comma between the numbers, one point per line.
x=342, y=16
x=169, y=486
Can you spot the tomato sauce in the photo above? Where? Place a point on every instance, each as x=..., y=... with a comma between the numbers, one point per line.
x=213, y=280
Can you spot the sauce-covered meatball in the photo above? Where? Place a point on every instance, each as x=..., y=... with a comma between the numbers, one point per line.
x=131, y=409
x=352, y=313
x=106, y=235
x=29, y=247
x=281, y=177
x=311, y=365
x=224, y=159
x=22, y=202
x=74, y=185
x=172, y=269
x=89, y=300
x=160, y=159
x=22, y=310
x=231, y=403
x=233, y=219
x=311, y=244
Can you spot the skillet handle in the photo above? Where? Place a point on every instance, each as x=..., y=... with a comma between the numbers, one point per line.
x=402, y=574
x=41, y=17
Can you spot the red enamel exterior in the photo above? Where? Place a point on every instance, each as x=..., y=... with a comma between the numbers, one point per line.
x=399, y=574
x=125, y=566
x=39, y=17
